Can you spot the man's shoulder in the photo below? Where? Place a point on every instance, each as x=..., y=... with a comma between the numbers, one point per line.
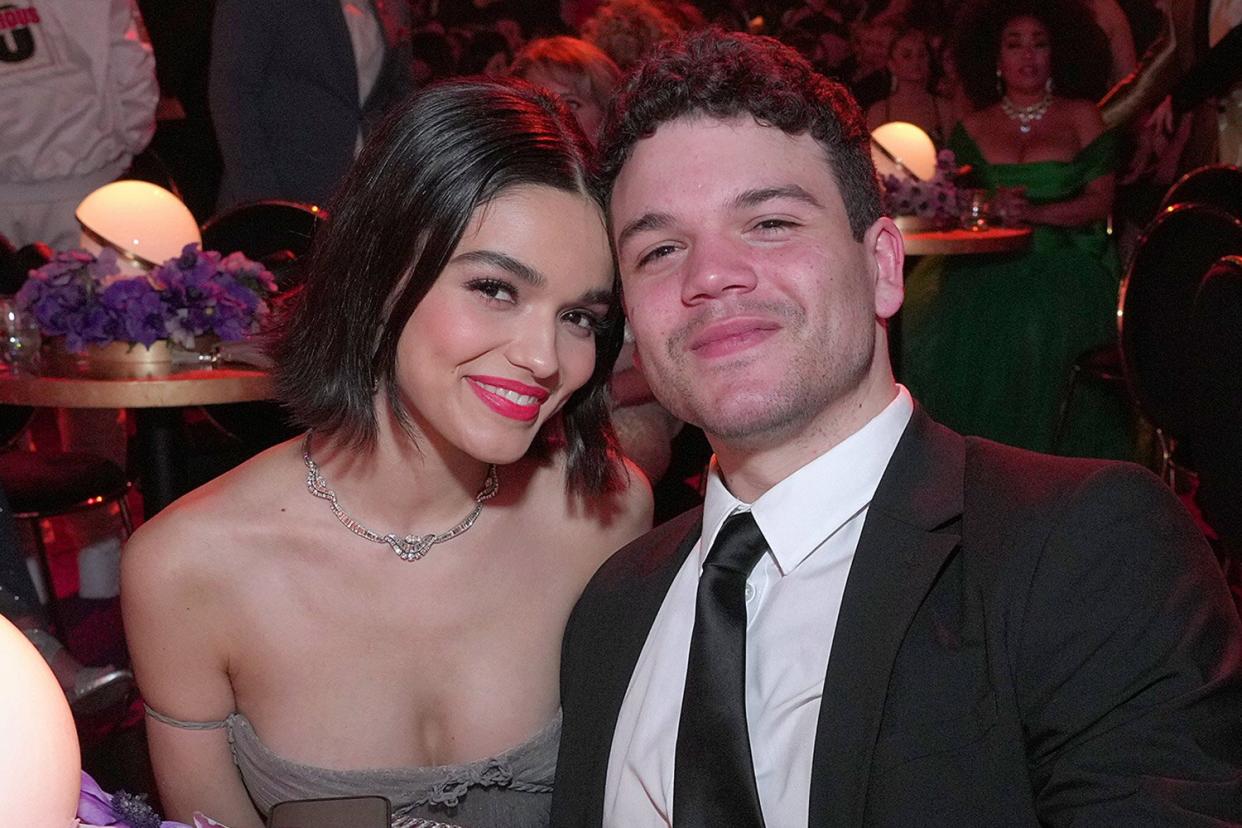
x=650, y=553
x=1023, y=480
x=1097, y=513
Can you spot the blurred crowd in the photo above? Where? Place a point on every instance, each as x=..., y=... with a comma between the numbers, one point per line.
x=894, y=55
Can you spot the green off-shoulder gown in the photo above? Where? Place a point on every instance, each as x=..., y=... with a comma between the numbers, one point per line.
x=988, y=340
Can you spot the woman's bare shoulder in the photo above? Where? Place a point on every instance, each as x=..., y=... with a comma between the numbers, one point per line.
x=201, y=533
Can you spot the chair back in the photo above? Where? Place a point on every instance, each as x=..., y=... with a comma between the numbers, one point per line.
x=1216, y=185
x=148, y=166
x=15, y=265
x=1215, y=436
x=1157, y=302
x=13, y=421
x=276, y=233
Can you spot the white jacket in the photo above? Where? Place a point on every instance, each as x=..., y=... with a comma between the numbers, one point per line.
x=77, y=94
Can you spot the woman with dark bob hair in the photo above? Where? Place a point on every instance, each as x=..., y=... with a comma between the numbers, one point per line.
x=988, y=341
x=377, y=607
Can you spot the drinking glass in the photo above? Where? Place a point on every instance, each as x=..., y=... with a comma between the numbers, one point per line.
x=973, y=209
x=19, y=335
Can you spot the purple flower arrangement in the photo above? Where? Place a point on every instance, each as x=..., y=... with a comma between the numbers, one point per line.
x=99, y=809
x=935, y=199
x=89, y=302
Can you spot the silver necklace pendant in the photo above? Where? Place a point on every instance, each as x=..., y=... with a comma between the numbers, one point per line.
x=1026, y=115
x=407, y=547
x=411, y=547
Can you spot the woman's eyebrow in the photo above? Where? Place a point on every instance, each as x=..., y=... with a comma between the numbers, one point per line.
x=505, y=262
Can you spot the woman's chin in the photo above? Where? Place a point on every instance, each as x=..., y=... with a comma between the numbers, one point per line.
x=500, y=452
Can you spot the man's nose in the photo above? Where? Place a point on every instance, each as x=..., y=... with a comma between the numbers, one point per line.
x=716, y=268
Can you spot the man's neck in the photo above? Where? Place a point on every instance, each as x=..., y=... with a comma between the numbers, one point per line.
x=751, y=468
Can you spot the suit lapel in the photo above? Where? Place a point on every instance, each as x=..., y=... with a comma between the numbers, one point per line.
x=629, y=591
x=340, y=72
x=912, y=527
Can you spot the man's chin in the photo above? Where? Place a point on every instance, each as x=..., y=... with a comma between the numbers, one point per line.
x=746, y=422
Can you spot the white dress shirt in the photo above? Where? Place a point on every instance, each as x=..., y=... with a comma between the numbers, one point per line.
x=367, y=41
x=812, y=521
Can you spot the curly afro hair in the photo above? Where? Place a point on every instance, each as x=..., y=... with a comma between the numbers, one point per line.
x=1079, y=47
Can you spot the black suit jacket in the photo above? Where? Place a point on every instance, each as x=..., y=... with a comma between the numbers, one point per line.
x=1022, y=640
x=284, y=94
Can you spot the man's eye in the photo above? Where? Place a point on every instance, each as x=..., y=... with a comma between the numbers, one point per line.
x=656, y=253
x=773, y=224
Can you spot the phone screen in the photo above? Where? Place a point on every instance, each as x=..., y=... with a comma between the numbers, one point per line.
x=343, y=812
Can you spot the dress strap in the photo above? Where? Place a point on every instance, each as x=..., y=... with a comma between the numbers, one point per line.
x=168, y=720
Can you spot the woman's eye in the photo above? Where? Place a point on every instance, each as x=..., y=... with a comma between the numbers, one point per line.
x=494, y=289
x=583, y=320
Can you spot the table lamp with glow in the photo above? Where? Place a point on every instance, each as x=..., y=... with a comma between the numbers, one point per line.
x=904, y=150
x=40, y=766
x=147, y=225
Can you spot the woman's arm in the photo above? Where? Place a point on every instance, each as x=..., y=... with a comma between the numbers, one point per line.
x=1112, y=20
x=173, y=605
x=1094, y=203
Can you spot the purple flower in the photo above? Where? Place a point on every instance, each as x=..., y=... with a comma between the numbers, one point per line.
x=123, y=810
x=933, y=198
x=136, y=309
x=88, y=301
x=213, y=295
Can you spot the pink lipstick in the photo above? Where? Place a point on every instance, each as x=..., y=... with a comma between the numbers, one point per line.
x=509, y=398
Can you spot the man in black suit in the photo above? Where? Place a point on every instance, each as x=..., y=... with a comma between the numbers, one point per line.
x=872, y=620
x=294, y=87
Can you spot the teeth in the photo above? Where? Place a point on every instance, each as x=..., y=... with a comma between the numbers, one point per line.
x=511, y=396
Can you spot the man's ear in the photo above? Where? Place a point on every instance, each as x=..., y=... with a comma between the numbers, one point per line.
x=883, y=245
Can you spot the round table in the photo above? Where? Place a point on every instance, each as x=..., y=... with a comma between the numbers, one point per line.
x=968, y=242
x=154, y=393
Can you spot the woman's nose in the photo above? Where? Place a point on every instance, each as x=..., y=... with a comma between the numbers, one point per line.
x=533, y=347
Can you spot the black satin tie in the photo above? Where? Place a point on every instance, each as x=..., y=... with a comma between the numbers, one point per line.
x=713, y=774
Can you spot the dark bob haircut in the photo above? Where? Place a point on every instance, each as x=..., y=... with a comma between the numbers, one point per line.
x=396, y=221
x=1079, y=47
x=723, y=75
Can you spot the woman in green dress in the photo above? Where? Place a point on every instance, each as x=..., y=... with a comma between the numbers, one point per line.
x=988, y=341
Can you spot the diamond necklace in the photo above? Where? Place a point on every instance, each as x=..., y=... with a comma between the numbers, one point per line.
x=409, y=547
x=1026, y=115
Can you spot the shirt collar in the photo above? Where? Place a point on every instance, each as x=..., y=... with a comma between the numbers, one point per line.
x=806, y=508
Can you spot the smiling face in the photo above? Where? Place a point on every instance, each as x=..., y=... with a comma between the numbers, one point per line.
x=507, y=332
x=755, y=311
x=1025, y=60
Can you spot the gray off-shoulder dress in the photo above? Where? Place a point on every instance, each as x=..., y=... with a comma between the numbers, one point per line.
x=510, y=790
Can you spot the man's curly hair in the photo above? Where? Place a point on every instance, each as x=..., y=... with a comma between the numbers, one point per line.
x=722, y=75
x=1079, y=47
